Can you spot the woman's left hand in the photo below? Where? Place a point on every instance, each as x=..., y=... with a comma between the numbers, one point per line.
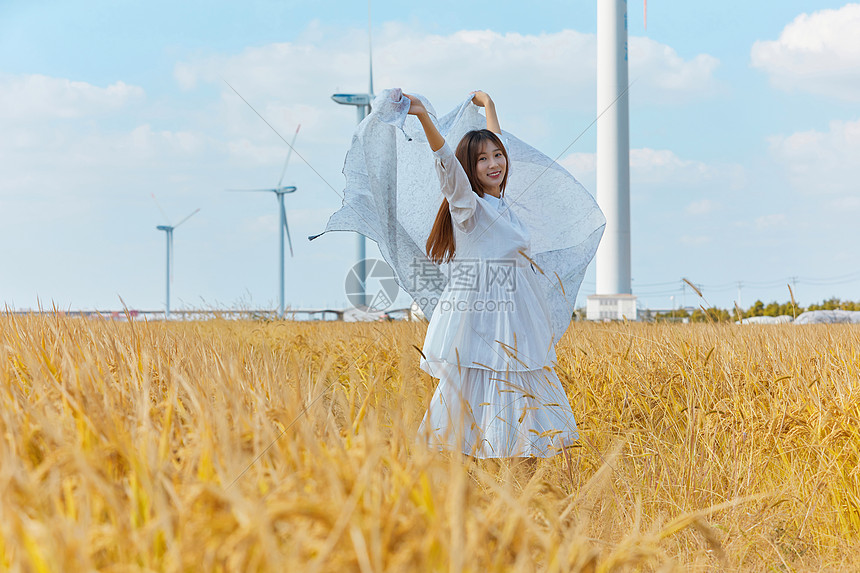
x=481, y=99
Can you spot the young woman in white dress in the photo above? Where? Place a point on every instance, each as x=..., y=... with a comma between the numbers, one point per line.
x=490, y=339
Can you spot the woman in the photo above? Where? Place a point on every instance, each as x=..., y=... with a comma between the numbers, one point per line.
x=517, y=231
x=490, y=339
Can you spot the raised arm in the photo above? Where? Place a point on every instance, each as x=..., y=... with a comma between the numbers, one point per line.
x=454, y=182
x=434, y=138
x=483, y=100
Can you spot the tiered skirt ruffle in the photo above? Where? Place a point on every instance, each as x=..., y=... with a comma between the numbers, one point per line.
x=492, y=414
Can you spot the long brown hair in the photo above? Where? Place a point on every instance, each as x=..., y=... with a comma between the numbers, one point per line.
x=440, y=243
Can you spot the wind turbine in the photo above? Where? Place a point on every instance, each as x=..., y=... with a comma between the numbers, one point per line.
x=168, y=234
x=283, y=227
x=362, y=105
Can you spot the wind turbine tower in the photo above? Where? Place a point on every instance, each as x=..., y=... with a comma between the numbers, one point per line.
x=362, y=106
x=614, y=299
x=168, y=230
x=283, y=228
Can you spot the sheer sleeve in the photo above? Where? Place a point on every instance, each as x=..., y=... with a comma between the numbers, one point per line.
x=462, y=201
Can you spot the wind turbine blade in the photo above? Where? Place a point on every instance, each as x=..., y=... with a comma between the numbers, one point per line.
x=186, y=218
x=289, y=154
x=157, y=204
x=287, y=231
x=645, y=16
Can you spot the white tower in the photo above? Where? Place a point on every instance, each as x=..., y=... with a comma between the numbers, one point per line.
x=614, y=298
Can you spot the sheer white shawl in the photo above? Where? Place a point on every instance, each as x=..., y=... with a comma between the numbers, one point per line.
x=392, y=195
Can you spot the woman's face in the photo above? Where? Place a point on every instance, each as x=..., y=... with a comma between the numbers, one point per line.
x=491, y=165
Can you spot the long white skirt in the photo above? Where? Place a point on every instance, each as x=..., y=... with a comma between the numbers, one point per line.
x=490, y=414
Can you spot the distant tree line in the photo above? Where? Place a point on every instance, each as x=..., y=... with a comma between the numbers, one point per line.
x=758, y=308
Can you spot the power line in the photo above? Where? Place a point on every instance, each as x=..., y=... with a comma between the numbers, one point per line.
x=660, y=288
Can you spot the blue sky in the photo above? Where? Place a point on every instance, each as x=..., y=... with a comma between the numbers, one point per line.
x=744, y=137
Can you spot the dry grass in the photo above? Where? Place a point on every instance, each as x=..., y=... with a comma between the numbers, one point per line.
x=238, y=446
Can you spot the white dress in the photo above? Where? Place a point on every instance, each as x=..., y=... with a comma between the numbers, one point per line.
x=490, y=340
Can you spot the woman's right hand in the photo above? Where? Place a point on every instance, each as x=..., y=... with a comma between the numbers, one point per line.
x=434, y=138
x=416, y=107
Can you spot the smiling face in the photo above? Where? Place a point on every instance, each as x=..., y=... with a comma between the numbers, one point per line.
x=485, y=161
x=490, y=167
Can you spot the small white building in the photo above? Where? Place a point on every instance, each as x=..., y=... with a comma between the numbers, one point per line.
x=611, y=307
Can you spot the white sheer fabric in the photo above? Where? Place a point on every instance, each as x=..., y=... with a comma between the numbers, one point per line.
x=498, y=308
x=392, y=195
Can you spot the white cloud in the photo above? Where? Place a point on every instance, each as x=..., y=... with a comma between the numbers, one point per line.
x=34, y=97
x=62, y=145
x=445, y=68
x=770, y=221
x=47, y=151
x=661, y=167
x=821, y=162
x=291, y=83
x=695, y=240
x=850, y=203
x=702, y=207
x=817, y=53
x=580, y=163
x=144, y=140
x=666, y=77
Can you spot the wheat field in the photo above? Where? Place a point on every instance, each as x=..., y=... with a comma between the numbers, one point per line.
x=290, y=446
